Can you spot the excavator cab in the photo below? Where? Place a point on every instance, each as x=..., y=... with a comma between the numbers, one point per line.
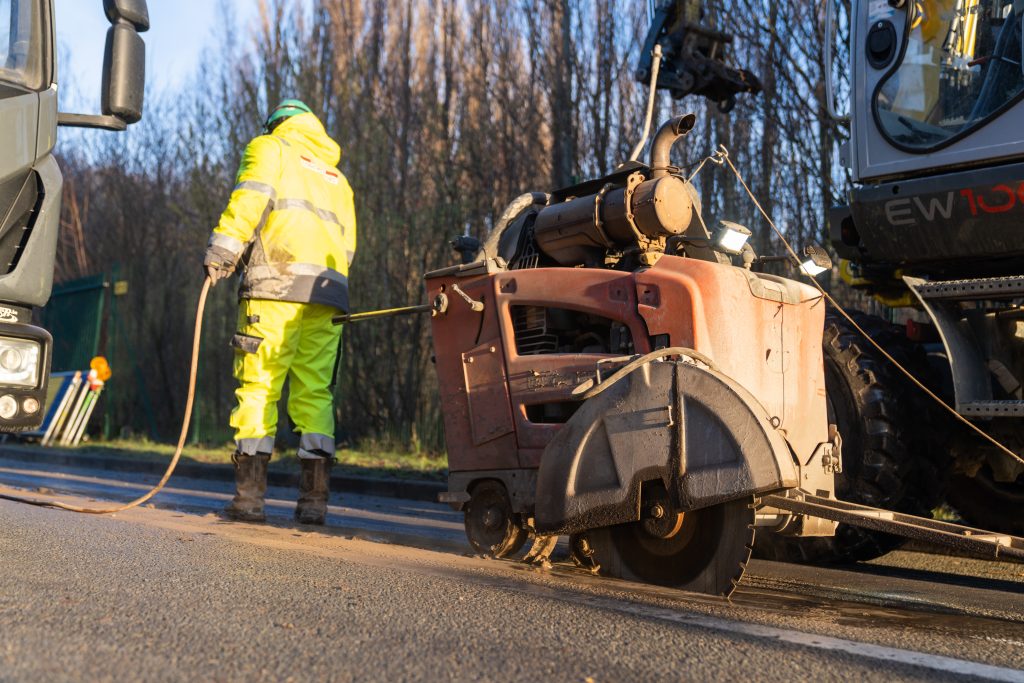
x=937, y=145
x=936, y=84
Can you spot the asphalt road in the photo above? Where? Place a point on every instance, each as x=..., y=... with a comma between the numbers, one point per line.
x=389, y=591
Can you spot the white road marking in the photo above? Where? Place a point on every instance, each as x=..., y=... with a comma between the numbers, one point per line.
x=857, y=649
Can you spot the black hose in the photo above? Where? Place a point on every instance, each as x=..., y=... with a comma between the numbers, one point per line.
x=511, y=212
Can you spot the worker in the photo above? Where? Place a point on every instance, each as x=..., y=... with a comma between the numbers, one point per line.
x=290, y=227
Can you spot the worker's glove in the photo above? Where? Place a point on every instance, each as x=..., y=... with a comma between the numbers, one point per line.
x=216, y=268
x=215, y=273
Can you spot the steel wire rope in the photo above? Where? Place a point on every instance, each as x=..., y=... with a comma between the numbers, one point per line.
x=189, y=401
x=723, y=155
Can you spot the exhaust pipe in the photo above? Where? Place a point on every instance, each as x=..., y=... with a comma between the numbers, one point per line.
x=666, y=137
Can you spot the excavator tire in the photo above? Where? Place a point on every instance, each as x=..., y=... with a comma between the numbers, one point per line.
x=985, y=503
x=891, y=447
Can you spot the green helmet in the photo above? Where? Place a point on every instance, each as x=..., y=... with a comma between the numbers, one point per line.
x=285, y=110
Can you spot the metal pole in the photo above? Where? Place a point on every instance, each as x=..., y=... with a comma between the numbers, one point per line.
x=385, y=313
x=61, y=412
x=73, y=417
x=95, y=399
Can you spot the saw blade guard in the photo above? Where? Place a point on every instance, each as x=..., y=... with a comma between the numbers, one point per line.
x=697, y=431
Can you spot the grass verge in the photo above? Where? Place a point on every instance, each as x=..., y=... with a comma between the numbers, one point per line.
x=362, y=462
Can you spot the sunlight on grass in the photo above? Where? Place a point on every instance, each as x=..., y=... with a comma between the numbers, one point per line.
x=371, y=461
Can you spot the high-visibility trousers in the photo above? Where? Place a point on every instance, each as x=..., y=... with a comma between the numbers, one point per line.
x=278, y=340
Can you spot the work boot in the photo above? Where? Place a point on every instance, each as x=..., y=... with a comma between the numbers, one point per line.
x=251, y=486
x=314, y=481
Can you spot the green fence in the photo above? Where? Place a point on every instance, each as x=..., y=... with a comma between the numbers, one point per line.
x=83, y=317
x=75, y=317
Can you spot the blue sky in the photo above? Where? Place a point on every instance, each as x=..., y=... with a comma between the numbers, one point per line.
x=179, y=30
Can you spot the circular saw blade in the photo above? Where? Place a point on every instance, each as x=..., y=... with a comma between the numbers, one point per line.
x=707, y=554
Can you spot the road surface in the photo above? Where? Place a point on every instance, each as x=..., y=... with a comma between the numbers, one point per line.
x=389, y=591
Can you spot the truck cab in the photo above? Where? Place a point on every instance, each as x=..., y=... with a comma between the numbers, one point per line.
x=31, y=183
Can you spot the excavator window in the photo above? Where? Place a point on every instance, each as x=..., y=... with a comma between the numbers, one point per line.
x=960, y=67
x=21, y=42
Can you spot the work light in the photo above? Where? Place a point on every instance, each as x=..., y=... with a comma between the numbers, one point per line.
x=818, y=261
x=811, y=269
x=731, y=237
x=8, y=407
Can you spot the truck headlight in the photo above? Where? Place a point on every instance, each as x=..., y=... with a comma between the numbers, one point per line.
x=19, y=362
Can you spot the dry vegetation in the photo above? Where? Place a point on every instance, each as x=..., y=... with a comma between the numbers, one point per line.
x=446, y=110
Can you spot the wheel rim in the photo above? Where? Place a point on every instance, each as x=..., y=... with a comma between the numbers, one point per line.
x=491, y=525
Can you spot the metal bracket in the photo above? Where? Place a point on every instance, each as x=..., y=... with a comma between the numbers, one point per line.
x=832, y=458
x=91, y=121
x=971, y=378
x=997, y=546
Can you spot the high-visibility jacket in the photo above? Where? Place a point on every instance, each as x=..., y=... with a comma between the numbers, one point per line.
x=291, y=221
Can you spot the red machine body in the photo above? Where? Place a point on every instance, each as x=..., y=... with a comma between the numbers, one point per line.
x=762, y=330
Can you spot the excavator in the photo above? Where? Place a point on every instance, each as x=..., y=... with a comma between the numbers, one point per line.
x=31, y=181
x=932, y=228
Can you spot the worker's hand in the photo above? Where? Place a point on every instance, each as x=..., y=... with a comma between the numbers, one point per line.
x=216, y=266
x=215, y=272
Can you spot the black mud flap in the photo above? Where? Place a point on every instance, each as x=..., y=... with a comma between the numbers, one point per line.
x=700, y=433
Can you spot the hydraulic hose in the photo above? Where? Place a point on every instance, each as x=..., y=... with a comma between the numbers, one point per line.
x=186, y=420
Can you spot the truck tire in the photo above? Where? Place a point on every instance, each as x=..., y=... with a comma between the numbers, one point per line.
x=888, y=458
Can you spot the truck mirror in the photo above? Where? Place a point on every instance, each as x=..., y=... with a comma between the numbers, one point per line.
x=135, y=12
x=124, y=70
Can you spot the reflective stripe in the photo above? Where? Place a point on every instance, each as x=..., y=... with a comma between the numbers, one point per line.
x=264, y=446
x=351, y=255
x=227, y=243
x=284, y=270
x=261, y=188
x=313, y=445
x=304, y=205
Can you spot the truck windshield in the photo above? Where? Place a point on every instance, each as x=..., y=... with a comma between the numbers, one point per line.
x=21, y=42
x=961, y=67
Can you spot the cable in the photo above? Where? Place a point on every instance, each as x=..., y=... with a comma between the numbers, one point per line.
x=723, y=153
x=181, y=439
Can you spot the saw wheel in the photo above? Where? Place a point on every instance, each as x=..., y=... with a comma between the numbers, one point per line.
x=704, y=551
x=491, y=526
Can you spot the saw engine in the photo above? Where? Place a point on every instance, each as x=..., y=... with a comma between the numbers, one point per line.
x=609, y=374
